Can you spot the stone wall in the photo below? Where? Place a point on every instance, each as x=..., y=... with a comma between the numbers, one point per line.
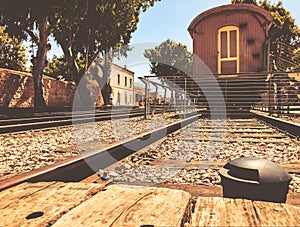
x=17, y=90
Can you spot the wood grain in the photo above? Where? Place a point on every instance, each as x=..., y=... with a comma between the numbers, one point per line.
x=217, y=211
x=53, y=199
x=121, y=205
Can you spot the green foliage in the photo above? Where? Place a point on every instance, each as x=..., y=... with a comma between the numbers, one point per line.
x=12, y=52
x=95, y=28
x=89, y=28
x=296, y=58
x=83, y=28
x=170, y=59
x=57, y=66
x=30, y=20
x=284, y=28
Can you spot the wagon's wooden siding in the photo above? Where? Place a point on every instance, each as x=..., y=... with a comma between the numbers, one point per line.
x=253, y=24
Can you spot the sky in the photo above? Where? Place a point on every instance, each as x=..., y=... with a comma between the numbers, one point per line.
x=169, y=19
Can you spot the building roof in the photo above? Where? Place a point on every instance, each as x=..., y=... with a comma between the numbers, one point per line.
x=229, y=8
x=123, y=68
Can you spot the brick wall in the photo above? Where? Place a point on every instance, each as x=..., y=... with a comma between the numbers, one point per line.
x=17, y=90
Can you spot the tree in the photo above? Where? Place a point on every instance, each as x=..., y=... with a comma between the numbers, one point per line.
x=97, y=28
x=296, y=58
x=30, y=19
x=170, y=59
x=83, y=28
x=58, y=66
x=284, y=28
x=12, y=52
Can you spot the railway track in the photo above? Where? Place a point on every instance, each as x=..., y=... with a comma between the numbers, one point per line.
x=194, y=156
x=230, y=138
x=53, y=120
x=79, y=168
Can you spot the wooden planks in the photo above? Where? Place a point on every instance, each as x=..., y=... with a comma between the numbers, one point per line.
x=81, y=204
x=50, y=199
x=217, y=211
x=121, y=205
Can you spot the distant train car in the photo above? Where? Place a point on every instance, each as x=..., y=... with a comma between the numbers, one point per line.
x=233, y=42
x=232, y=39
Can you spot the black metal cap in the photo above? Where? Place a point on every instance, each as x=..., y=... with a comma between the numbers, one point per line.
x=255, y=171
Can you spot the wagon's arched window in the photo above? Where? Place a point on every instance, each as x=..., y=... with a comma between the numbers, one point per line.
x=228, y=49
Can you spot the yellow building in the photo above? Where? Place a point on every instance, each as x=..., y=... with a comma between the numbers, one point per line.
x=121, y=82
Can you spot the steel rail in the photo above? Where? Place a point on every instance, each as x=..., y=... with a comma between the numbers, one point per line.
x=282, y=125
x=64, y=121
x=78, y=168
x=23, y=120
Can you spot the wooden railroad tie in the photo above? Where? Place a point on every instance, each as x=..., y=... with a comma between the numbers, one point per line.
x=81, y=204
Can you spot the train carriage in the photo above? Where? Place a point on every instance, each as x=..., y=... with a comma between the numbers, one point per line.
x=232, y=39
x=233, y=42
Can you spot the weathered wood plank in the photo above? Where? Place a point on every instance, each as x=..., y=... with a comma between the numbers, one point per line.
x=121, y=205
x=49, y=199
x=276, y=214
x=20, y=191
x=217, y=211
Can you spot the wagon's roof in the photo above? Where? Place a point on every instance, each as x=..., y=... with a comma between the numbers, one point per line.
x=230, y=8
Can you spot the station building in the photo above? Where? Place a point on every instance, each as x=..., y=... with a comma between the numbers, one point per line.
x=122, y=84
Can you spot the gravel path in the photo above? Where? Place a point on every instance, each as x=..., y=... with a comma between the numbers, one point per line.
x=25, y=151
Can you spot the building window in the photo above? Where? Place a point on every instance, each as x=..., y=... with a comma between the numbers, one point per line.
x=130, y=83
x=228, y=49
x=125, y=81
x=119, y=98
x=130, y=100
x=125, y=99
x=119, y=79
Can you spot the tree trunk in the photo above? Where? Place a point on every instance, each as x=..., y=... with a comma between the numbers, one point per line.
x=39, y=63
x=104, y=82
x=106, y=92
x=86, y=101
x=71, y=61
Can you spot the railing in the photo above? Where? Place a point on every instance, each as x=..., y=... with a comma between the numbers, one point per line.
x=276, y=93
x=287, y=58
x=281, y=95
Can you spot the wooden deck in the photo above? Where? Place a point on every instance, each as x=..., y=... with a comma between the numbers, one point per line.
x=87, y=204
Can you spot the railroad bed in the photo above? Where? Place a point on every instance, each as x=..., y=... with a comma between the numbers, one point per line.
x=28, y=150
x=188, y=158
x=194, y=154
